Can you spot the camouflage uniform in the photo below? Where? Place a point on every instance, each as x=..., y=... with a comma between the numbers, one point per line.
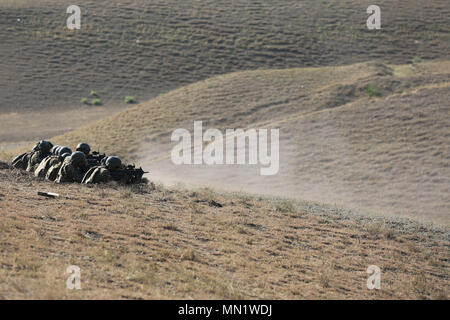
x=52, y=172
x=99, y=174
x=35, y=159
x=104, y=173
x=70, y=172
x=21, y=161
x=45, y=165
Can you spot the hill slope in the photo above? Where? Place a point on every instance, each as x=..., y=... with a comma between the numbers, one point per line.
x=146, y=242
x=337, y=144
x=144, y=48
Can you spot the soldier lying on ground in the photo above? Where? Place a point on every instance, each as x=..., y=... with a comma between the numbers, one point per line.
x=52, y=160
x=93, y=159
x=29, y=160
x=73, y=168
x=103, y=173
x=39, y=155
x=21, y=161
x=52, y=172
x=113, y=170
x=84, y=147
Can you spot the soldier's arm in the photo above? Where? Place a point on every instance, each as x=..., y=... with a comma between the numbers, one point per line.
x=65, y=174
x=32, y=162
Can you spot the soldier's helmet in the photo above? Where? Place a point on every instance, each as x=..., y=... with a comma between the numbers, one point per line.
x=83, y=147
x=113, y=163
x=45, y=146
x=63, y=150
x=78, y=158
x=36, y=147
x=55, y=150
x=65, y=155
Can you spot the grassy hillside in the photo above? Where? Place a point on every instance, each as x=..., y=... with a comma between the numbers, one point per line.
x=363, y=119
x=338, y=144
x=152, y=242
x=144, y=48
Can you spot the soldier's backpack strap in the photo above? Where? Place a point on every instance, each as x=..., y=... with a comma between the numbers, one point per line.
x=21, y=161
x=43, y=167
x=89, y=177
x=52, y=173
x=30, y=165
x=40, y=170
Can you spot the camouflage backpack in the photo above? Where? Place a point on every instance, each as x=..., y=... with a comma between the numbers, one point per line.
x=35, y=159
x=97, y=174
x=21, y=161
x=52, y=172
x=45, y=165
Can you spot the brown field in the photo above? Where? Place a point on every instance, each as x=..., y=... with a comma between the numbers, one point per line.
x=364, y=178
x=144, y=48
x=338, y=145
x=153, y=242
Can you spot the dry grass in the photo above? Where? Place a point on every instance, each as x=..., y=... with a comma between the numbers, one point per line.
x=149, y=244
x=337, y=144
x=169, y=43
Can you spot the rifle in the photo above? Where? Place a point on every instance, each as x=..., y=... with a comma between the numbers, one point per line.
x=128, y=175
x=95, y=159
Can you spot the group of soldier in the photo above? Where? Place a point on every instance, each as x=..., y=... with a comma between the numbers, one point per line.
x=60, y=164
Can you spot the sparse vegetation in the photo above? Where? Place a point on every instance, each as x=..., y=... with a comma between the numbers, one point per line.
x=211, y=44
x=416, y=60
x=96, y=102
x=129, y=99
x=373, y=90
x=189, y=255
x=286, y=206
x=147, y=241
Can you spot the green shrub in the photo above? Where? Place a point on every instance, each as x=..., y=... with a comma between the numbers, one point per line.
x=373, y=90
x=96, y=102
x=129, y=99
x=84, y=101
x=416, y=60
x=93, y=94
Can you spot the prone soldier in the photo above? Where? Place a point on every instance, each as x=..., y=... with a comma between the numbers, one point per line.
x=112, y=169
x=52, y=160
x=21, y=161
x=104, y=172
x=93, y=159
x=73, y=168
x=39, y=155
